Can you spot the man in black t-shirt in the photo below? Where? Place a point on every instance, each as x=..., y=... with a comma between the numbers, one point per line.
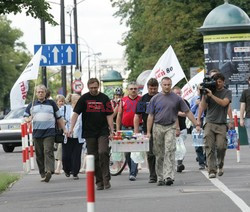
x=97, y=126
x=141, y=109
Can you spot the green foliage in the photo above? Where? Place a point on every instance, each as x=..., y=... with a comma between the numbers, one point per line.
x=156, y=24
x=6, y=179
x=13, y=59
x=36, y=9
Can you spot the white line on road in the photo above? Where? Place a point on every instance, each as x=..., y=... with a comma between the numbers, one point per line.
x=237, y=200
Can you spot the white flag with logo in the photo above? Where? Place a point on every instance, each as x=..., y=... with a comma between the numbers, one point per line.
x=167, y=66
x=19, y=91
x=190, y=89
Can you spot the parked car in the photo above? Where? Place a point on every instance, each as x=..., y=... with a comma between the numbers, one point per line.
x=10, y=129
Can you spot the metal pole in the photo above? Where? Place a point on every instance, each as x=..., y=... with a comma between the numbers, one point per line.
x=71, y=67
x=76, y=34
x=63, y=68
x=43, y=41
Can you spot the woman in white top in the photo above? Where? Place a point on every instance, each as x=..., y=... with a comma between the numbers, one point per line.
x=72, y=146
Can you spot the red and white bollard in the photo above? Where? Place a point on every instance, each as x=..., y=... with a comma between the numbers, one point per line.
x=32, y=162
x=90, y=172
x=23, y=146
x=237, y=131
x=27, y=147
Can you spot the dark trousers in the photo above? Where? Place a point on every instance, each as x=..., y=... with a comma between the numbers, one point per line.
x=200, y=155
x=71, y=156
x=99, y=147
x=44, y=148
x=151, y=160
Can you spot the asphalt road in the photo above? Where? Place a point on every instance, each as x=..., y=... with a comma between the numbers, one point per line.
x=192, y=190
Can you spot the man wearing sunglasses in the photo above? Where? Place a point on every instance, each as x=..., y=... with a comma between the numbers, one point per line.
x=125, y=119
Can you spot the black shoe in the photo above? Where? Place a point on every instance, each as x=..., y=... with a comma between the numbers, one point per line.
x=161, y=183
x=169, y=181
x=47, y=177
x=152, y=181
x=99, y=187
x=67, y=174
x=180, y=168
x=75, y=177
x=107, y=185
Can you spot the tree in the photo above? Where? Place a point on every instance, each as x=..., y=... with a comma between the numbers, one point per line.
x=156, y=24
x=13, y=59
x=36, y=9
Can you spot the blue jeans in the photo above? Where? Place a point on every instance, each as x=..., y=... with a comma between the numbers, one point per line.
x=131, y=164
x=200, y=155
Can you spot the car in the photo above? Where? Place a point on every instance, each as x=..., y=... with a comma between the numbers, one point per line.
x=10, y=129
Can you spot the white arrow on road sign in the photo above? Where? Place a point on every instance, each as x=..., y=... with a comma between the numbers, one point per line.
x=69, y=51
x=55, y=51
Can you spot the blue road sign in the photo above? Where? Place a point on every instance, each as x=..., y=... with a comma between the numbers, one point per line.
x=57, y=54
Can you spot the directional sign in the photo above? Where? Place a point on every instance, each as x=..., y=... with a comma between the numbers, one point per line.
x=77, y=86
x=57, y=54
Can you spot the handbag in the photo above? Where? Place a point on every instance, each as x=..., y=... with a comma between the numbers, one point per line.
x=59, y=137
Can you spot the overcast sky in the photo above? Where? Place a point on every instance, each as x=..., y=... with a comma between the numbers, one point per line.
x=96, y=26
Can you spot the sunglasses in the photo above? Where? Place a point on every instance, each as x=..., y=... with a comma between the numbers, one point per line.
x=133, y=88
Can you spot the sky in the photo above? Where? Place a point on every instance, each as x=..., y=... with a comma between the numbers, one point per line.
x=97, y=28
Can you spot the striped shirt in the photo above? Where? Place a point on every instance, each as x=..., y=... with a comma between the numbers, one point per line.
x=44, y=115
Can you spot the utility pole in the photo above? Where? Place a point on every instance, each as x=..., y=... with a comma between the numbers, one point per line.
x=76, y=34
x=43, y=41
x=63, y=68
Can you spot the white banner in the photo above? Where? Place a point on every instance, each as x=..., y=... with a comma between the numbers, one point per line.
x=19, y=91
x=189, y=90
x=167, y=66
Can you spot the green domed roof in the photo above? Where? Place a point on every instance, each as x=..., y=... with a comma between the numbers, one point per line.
x=111, y=76
x=226, y=16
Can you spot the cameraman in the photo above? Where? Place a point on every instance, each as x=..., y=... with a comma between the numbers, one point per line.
x=229, y=112
x=215, y=128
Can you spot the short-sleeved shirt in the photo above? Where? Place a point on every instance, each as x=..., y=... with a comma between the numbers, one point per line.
x=216, y=113
x=245, y=98
x=95, y=110
x=44, y=115
x=141, y=109
x=165, y=108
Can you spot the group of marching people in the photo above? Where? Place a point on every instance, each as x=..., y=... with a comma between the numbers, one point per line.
x=93, y=118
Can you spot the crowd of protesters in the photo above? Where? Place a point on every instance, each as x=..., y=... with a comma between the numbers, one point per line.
x=92, y=119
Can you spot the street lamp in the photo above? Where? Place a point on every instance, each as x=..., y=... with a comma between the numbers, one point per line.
x=69, y=11
x=89, y=55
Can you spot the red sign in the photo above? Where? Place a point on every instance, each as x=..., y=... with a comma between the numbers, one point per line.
x=77, y=86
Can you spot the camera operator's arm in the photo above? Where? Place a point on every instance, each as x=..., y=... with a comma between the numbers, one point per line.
x=222, y=102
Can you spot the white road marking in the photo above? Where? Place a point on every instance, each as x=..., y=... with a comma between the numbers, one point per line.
x=236, y=199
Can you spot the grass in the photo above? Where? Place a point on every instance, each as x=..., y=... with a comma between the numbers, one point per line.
x=6, y=179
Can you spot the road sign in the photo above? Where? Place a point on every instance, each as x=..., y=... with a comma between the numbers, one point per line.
x=77, y=86
x=57, y=54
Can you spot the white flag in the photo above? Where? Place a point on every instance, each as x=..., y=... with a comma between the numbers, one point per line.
x=19, y=91
x=190, y=89
x=167, y=66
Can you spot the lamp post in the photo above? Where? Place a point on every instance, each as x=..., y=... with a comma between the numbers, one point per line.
x=89, y=55
x=69, y=11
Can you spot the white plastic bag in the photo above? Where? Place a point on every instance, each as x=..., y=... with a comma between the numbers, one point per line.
x=138, y=157
x=180, y=149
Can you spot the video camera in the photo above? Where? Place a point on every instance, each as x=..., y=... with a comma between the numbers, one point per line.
x=208, y=82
